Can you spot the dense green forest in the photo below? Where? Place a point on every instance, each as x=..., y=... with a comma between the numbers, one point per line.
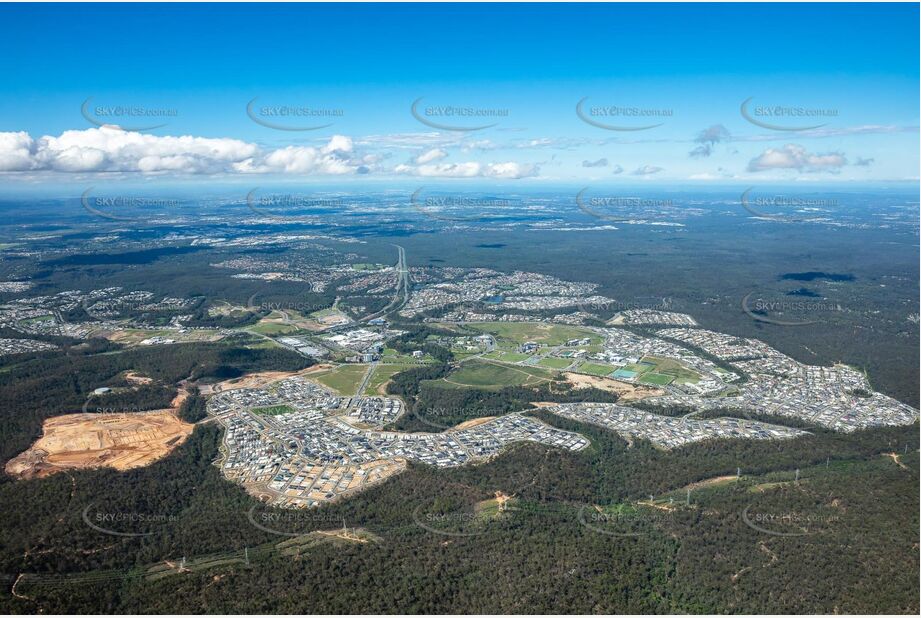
x=858, y=553
x=194, y=408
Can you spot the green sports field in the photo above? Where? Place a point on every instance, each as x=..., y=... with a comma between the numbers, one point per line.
x=657, y=379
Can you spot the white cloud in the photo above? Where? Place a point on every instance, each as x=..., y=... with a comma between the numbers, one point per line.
x=647, y=170
x=510, y=169
x=796, y=157
x=338, y=143
x=431, y=139
x=539, y=142
x=599, y=163
x=617, y=169
x=428, y=156
x=444, y=170
x=110, y=149
x=479, y=144
x=306, y=160
x=16, y=152
x=470, y=169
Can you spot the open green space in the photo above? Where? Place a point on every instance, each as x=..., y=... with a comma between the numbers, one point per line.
x=658, y=371
x=491, y=375
x=520, y=332
x=508, y=357
x=264, y=327
x=344, y=379
x=392, y=357
x=596, y=369
x=382, y=373
x=669, y=367
x=555, y=363
x=638, y=367
x=325, y=313
x=658, y=379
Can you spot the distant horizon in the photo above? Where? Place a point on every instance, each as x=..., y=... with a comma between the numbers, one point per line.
x=382, y=185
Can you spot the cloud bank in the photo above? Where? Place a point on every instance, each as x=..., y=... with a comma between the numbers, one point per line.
x=111, y=149
x=796, y=157
x=470, y=169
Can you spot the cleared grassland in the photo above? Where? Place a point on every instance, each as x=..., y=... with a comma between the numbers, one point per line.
x=596, y=369
x=344, y=379
x=519, y=332
x=508, y=357
x=404, y=360
x=271, y=327
x=487, y=375
x=669, y=367
x=381, y=375
x=555, y=363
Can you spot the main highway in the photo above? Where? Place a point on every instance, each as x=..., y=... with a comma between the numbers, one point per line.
x=401, y=295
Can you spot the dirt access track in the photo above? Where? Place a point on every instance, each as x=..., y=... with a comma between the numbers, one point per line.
x=121, y=440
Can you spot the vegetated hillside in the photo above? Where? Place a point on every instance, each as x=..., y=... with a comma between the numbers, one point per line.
x=548, y=553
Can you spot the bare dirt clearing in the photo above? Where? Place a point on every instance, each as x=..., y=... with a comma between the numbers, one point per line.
x=260, y=379
x=474, y=422
x=627, y=392
x=121, y=440
x=133, y=377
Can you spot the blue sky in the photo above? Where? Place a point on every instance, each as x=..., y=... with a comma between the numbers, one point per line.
x=849, y=70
